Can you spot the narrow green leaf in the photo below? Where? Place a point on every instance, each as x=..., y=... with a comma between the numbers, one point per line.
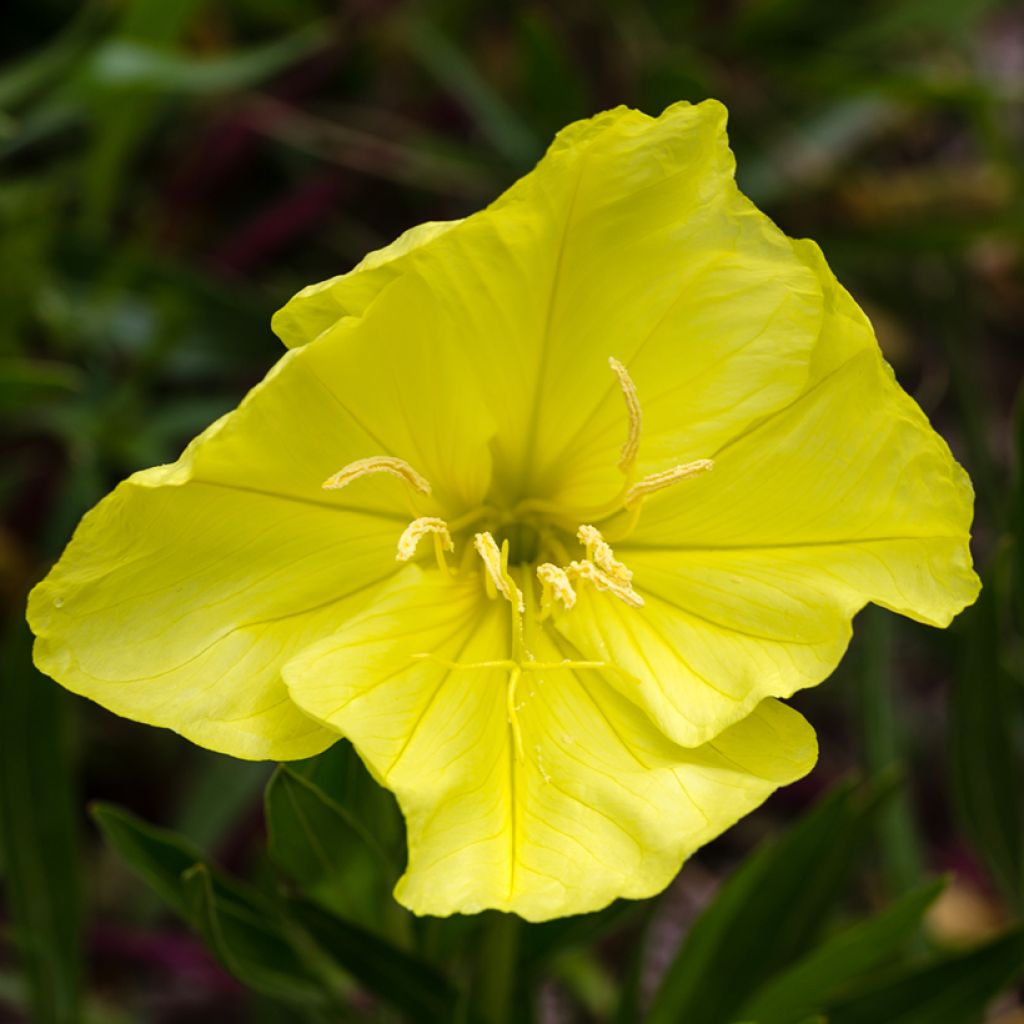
x=325, y=850
x=951, y=990
x=405, y=982
x=1017, y=510
x=38, y=837
x=883, y=743
x=249, y=942
x=239, y=924
x=986, y=769
x=809, y=983
x=767, y=914
x=160, y=857
x=24, y=79
x=342, y=777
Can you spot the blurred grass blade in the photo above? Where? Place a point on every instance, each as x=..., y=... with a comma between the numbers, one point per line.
x=1017, y=512
x=839, y=960
x=952, y=990
x=326, y=851
x=784, y=891
x=883, y=741
x=123, y=64
x=405, y=982
x=27, y=383
x=23, y=80
x=38, y=837
x=986, y=769
x=497, y=121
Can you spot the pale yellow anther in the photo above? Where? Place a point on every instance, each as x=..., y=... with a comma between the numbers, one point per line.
x=628, y=454
x=586, y=570
x=599, y=552
x=666, y=478
x=490, y=553
x=419, y=528
x=377, y=464
x=555, y=586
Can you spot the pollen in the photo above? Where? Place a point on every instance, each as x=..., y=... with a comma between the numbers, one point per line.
x=629, y=450
x=497, y=570
x=599, y=552
x=555, y=586
x=666, y=478
x=418, y=529
x=586, y=570
x=377, y=464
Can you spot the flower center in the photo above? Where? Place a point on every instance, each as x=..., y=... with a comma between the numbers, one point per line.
x=529, y=546
x=532, y=535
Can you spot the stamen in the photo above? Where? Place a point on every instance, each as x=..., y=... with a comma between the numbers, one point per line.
x=377, y=464
x=418, y=528
x=555, y=586
x=666, y=478
x=628, y=454
x=599, y=552
x=586, y=570
x=488, y=550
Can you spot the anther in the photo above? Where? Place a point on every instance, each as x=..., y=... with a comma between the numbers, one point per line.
x=599, y=552
x=418, y=528
x=377, y=464
x=555, y=586
x=489, y=551
x=628, y=454
x=586, y=570
x=666, y=478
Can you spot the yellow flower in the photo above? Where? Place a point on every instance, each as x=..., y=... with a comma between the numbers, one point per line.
x=542, y=510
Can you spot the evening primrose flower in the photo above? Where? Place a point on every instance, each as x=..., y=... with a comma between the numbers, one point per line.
x=543, y=510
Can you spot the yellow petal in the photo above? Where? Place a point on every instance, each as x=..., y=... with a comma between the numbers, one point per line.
x=320, y=306
x=599, y=804
x=751, y=574
x=629, y=239
x=182, y=593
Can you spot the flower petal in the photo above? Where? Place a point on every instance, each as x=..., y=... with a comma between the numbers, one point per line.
x=752, y=573
x=184, y=591
x=320, y=306
x=629, y=239
x=598, y=805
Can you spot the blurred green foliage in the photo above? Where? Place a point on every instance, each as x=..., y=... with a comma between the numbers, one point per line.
x=170, y=172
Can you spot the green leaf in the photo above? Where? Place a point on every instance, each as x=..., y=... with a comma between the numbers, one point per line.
x=248, y=941
x=951, y=990
x=342, y=777
x=160, y=857
x=407, y=983
x=290, y=953
x=325, y=850
x=767, y=914
x=806, y=986
x=38, y=837
x=986, y=769
x=240, y=925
